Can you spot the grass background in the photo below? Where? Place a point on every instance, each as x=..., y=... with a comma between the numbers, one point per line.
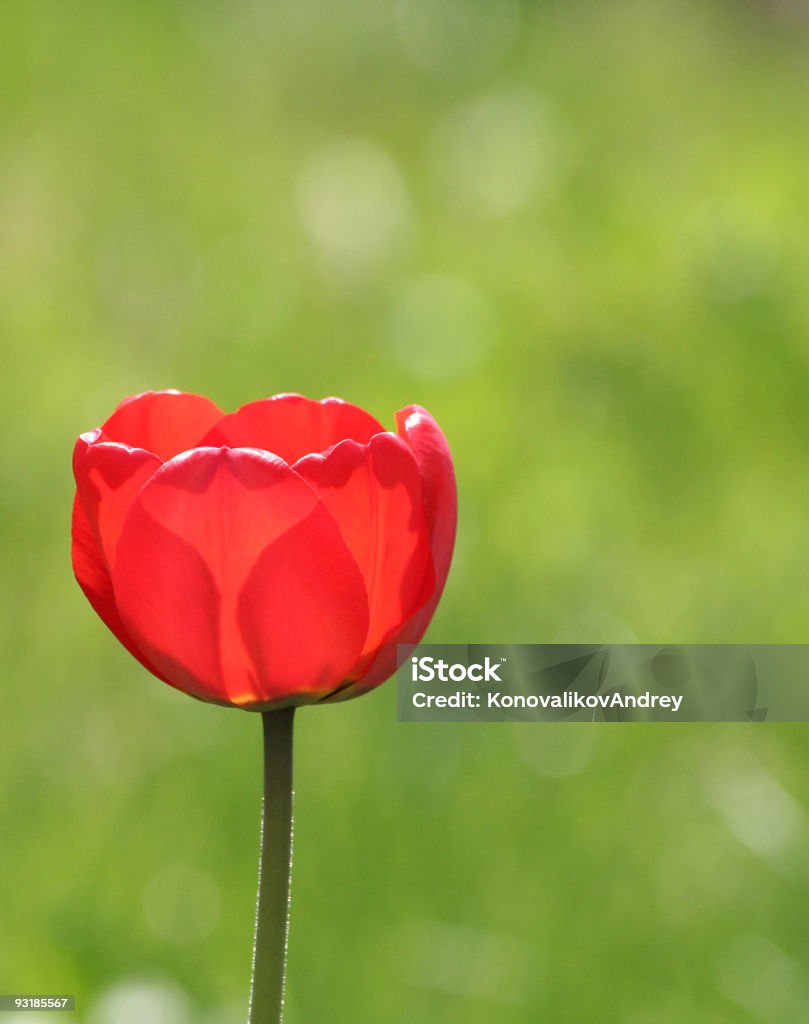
x=578, y=234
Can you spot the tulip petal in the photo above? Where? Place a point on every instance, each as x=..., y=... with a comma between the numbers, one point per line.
x=429, y=446
x=108, y=478
x=91, y=573
x=303, y=613
x=374, y=494
x=432, y=454
x=233, y=577
x=292, y=426
x=163, y=422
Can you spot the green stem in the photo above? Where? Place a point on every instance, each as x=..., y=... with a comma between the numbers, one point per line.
x=272, y=910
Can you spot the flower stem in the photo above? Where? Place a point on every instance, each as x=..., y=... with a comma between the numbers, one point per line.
x=272, y=909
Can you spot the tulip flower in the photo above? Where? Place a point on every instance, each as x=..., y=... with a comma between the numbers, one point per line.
x=264, y=559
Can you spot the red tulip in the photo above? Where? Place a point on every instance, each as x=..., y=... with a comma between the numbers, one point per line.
x=271, y=557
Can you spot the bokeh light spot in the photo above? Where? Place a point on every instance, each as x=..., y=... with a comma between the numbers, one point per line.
x=353, y=202
x=137, y=1000
x=764, y=980
x=495, y=155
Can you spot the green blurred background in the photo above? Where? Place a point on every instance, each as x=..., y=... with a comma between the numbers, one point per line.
x=579, y=234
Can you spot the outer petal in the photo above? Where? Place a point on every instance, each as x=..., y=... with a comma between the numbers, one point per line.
x=234, y=579
x=374, y=494
x=292, y=426
x=163, y=422
x=91, y=572
x=431, y=451
x=108, y=478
